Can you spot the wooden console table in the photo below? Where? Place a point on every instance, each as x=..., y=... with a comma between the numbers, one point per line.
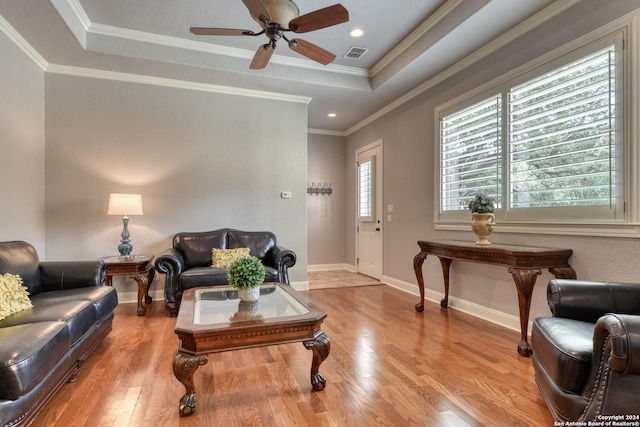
x=524, y=264
x=139, y=268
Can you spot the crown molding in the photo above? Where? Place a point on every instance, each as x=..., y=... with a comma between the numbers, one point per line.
x=215, y=49
x=22, y=44
x=507, y=37
x=28, y=50
x=178, y=84
x=81, y=26
x=415, y=35
x=326, y=132
x=75, y=18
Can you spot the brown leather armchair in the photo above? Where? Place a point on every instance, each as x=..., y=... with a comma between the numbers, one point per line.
x=587, y=356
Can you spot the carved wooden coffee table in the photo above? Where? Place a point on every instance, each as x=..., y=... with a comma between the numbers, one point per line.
x=213, y=320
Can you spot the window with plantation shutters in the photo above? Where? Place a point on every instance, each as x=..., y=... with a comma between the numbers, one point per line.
x=470, y=154
x=562, y=136
x=546, y=144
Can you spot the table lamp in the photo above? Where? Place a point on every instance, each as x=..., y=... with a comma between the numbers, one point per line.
x=125, y=204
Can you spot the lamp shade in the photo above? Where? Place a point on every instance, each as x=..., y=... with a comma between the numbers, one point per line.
x=125, y=204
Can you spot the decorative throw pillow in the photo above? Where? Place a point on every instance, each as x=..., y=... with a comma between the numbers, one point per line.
x=222, y=258
x=13, y=296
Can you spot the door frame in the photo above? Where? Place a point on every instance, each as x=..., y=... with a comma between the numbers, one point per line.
x=379, y=199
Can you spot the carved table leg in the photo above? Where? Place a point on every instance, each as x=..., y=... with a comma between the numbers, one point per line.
x=150, y=275
x=184, y=366
x=446, y=264
x=418, y=260
x=525, y=280
x=143, y=280
x=320, y=347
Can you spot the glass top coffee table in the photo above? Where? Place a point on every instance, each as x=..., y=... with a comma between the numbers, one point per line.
x=213, y=320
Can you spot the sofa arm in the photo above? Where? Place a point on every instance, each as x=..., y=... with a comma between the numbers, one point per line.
x=171, y=264
x=623, y=331
x=170, y=261
x=56, y=276
x=588, y=301
x=282, y=259
x=614, y=384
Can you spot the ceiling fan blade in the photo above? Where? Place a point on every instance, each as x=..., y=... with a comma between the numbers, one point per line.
x=262, y=57
x=321, y=18
x=257, y=9
x=312, y=51
x=203, y=31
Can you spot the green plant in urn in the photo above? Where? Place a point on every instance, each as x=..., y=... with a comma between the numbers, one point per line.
x=247, y=274
x=482, y=218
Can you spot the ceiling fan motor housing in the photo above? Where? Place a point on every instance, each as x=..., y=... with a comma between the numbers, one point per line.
x=281, y=11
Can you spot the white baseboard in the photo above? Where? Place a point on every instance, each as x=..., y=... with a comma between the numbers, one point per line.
x=331, y=267
x=127, y=297
x=499, y=318
x=301, y=285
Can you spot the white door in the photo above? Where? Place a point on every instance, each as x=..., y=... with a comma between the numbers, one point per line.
x=369, y=210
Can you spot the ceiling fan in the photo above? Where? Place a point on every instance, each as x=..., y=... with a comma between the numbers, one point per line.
x=277, y=17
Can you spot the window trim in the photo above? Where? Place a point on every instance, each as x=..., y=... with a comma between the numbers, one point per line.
x=629, y=225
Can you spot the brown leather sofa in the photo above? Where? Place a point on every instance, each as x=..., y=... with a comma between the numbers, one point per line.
x=587, y=356
x=43, y=347
x=188, y=263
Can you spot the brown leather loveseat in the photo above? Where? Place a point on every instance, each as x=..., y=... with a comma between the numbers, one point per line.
x=587, y=356
x=188, y=264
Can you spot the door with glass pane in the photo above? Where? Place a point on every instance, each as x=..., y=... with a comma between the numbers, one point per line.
x=369, y=211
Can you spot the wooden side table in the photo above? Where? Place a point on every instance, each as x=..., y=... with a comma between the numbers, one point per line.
x=524, y=262
x=139, y=268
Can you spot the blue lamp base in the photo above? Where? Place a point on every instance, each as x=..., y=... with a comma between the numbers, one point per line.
x=125, y=246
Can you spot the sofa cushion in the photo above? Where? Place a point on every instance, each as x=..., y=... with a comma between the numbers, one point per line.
x=204, y=276
x=13, y=296
x=222, y=258
x=564, y=348
x=103, y=298
x=196, y=247
x=28, y=353
x=78, y=316
x=258, y=242
x=270, y=274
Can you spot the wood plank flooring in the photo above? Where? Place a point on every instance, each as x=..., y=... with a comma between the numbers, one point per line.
x=388, y=366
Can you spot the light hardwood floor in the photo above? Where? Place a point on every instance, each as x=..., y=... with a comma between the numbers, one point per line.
x=388, y=366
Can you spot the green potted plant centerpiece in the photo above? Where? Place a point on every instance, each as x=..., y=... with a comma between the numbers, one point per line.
x=247, y=274
x=482, y=218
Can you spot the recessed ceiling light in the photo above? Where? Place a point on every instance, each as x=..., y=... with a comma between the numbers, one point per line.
x=331, y=114
x=356, y=32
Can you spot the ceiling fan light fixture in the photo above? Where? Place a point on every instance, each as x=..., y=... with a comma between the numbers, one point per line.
x=281, y=11
x=277, y=17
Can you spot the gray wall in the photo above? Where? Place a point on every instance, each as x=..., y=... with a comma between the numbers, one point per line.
x=326, y=214
x=21, y=147
x=201, y=161
x=408, y=138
